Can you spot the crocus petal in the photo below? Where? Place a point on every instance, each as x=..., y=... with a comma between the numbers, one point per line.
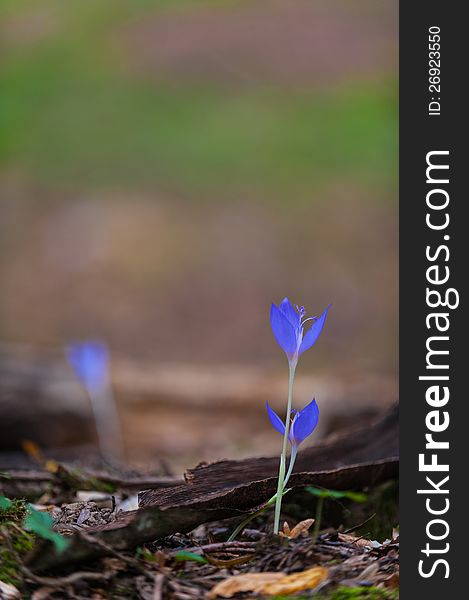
x=275, y=420
x=312, y=334
x=90, y=362
x=305, y=423
x=284, y=331
x=287, y=308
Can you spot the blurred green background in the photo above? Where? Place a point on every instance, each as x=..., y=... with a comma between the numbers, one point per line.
x=169, y=168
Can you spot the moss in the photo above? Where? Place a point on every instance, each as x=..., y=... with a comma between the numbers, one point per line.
x=22, y=543
x=14, y=541
x=15, y=512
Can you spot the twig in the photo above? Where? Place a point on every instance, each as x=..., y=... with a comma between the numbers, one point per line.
x=108, y=549
x=184, y=592
x=360, y=525
x=67, y=579
x=221, y=547
x=158, y=586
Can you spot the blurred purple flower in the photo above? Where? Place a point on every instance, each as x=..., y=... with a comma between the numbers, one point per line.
x=90, y=361
x=303, y=422
x=288, y=326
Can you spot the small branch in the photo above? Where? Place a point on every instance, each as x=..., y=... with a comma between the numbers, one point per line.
x=59, y=582
x=360, y=524
x=108, y=549
x=244, y=547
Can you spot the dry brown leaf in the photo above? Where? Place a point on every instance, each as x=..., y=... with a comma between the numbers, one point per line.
x=356, y=541
x=269, y=583
x=299, y=529
x=33, y=451
x=286, y=530
x=392, y=581
x=229, y=562
x=297, y=582
x=249, y=582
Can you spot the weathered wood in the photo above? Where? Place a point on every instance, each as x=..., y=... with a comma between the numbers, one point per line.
x=373, y=444
x=226, y=489
x=31, y=484
x=152, y=522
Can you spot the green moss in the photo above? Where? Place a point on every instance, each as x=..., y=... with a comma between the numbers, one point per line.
x=22, y=543
x=14, y=512
x=14, y=541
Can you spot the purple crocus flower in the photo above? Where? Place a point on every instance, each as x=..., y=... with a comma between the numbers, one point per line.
x=303, y=423
x=288, y=323
x=90, y=361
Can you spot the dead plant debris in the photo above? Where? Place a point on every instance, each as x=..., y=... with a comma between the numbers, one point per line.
x=176, y=549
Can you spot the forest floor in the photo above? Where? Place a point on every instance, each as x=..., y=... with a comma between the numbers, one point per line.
x=202, y=564
x=120, y=534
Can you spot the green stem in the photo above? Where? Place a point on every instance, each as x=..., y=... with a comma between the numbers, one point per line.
x=249, y=518
x=283, y=456
x=255, y=514
x=291, y=465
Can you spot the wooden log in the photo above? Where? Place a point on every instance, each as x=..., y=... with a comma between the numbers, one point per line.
x=230, y=488
x=373, y=444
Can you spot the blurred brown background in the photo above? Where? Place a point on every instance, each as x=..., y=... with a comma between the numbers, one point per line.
x=167, y=170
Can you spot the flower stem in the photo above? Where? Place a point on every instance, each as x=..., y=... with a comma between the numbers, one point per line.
x=107, y=424
x=283, y=456
x=291, y=465
x=255, y=514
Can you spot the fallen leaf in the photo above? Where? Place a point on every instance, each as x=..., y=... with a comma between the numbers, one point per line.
x=36, y=454
x=297, y=582
x=160, y=558
x=392, y=581
x=356, y=541
x=269, y=583
x=249, y=582
x=299, y=529
x=33, y=451
x=229, y=562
